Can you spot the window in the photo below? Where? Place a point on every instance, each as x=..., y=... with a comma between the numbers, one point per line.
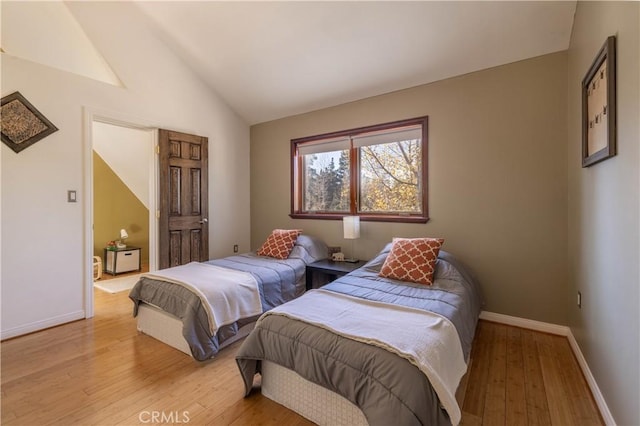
x=376, y=172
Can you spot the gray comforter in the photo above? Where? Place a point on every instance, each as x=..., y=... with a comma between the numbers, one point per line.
x=278, y=281
x=387, y=388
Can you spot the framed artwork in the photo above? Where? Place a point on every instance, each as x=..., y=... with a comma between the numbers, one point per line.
x=22, y=124
x=599, y=106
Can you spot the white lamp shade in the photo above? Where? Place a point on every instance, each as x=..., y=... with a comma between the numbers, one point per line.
x=351, y=226
x=123, y=234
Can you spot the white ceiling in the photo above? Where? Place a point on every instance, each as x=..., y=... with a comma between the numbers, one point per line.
x=47, y=33
x=270, y=60
x=275, y=59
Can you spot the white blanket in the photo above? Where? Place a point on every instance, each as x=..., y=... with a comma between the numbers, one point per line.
x=227, y=295
x=427, y=340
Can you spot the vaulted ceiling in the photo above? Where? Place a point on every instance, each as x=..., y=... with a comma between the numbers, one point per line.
x=274, y=59
x=270, y=60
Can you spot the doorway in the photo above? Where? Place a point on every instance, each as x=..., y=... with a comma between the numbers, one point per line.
x=121, y=188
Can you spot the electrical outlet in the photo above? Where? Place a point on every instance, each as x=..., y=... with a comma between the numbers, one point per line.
x=235, y=248
x=579, y=300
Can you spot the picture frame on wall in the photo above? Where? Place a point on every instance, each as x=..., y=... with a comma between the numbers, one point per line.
x=22, y=123
x=599, y=106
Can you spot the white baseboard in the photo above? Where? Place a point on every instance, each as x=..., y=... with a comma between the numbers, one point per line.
x=560, y=330
x=591, y=381
x=41, y=325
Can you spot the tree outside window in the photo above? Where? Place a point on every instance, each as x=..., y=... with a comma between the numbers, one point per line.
x=376, y=172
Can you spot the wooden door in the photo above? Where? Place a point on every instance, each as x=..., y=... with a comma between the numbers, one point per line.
x=183, y=224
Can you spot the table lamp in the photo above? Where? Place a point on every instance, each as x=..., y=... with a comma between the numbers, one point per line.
x=123, y=236
x=351, y=229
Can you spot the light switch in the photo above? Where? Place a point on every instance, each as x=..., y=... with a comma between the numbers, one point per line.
x=71, y=196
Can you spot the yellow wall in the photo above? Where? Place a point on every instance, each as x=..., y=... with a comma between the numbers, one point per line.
x=116, y=207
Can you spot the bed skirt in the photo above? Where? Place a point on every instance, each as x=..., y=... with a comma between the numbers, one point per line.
x=167, y=328
x=318, y=404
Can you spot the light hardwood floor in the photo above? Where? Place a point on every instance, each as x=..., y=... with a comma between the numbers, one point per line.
x=102, y=371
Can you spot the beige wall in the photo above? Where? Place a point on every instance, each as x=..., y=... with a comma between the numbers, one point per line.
x=604, y=212
x=497, y=178
x=115, y=207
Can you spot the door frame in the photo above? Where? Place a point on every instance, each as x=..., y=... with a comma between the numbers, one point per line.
x=90, y=116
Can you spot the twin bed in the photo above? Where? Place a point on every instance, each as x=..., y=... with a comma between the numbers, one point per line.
x=365, y=349
x=172, y=311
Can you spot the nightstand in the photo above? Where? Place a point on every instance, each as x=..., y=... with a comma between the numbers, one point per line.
x=122, y=260
x=330, y=268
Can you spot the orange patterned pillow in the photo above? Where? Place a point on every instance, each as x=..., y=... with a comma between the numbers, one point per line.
x=412, y=259
x=280, y=243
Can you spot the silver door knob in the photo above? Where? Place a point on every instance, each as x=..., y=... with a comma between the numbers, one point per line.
x=204, y=220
